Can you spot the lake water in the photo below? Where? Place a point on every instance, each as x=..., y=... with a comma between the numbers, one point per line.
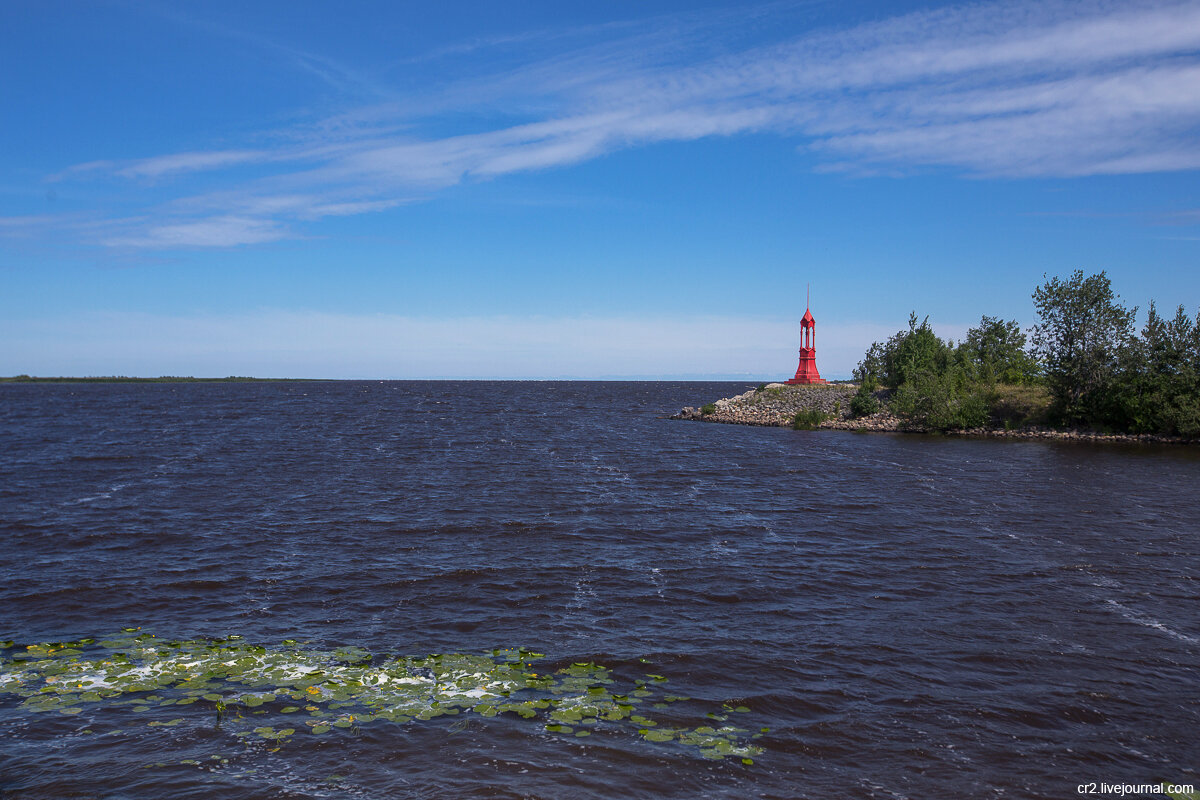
x=906, y=616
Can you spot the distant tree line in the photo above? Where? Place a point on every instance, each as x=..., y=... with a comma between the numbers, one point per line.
x=1083, y=366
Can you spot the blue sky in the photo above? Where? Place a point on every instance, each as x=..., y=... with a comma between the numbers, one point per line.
x=525, y=190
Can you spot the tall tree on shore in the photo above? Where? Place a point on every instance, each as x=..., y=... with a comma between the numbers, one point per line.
x=1080, y=340
x=905, y=355
x=1160, y=392
x=994, y=352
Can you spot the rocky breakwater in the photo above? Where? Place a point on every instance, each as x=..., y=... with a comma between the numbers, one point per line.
x=781, y=405
x=828, y=406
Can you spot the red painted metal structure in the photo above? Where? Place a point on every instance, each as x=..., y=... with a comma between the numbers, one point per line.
x=807, y=373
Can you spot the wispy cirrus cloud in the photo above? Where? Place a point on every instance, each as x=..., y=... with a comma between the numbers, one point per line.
x=189, y=162
x=255, y=220
x=1013, y=90
x=161, y=166
x=214, y=231
x=28, y=222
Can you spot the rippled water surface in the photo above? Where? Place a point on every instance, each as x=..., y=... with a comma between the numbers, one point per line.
x=908, y=617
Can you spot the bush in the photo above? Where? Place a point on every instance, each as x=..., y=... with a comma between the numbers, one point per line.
x=864, y=403
x=941, y=402
x=708, y=408
x=807, y=420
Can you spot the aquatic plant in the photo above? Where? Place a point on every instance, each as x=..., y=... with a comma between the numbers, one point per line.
x=220, y=680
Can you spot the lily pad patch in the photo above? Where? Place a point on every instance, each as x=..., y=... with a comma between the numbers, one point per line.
x=229, y=682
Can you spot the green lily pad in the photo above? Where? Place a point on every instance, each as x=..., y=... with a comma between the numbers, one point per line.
x=343, y=688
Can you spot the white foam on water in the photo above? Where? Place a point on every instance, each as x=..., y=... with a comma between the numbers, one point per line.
x=88, y=499
x=116, y=487
x=1150, y=622
x=656, y=576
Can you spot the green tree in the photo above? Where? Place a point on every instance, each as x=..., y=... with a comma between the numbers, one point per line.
x=995, y=353
x=864, y=402
x=905, y=355
x=871, y=367
x=1160, y=390
x=946, y=400
x=1081, y=339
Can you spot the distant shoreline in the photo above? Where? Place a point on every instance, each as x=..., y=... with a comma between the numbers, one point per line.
x=163, y=379
x=236, y=379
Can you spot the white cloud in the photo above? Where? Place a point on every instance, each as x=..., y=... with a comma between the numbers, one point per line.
x=999, y=89
x=224, y=231
x=25, y=225
x=188, y=162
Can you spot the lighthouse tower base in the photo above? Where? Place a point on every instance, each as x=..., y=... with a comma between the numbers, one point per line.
x=806, y=373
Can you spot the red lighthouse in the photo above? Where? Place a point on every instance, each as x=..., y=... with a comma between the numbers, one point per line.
x=807, y=373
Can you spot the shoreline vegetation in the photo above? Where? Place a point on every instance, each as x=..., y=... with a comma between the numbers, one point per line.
x=827, y=408
x=1084, y=374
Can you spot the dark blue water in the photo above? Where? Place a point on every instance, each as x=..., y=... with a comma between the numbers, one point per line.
x=910, y=617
